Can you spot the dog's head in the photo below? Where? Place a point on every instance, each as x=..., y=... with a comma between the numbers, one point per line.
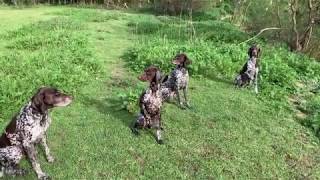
x=254, y=51
x=181, y=60
x=47, y=97
x=151, y=74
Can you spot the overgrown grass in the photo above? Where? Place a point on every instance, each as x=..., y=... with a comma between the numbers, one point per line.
x=52, y=52
x=89, y=15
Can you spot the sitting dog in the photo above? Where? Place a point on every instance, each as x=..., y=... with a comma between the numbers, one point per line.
x=178, y=80
x=27, y=129
x=249, y=72
x=150, y=103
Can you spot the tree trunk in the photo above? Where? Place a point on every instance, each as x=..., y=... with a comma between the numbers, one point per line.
x=14, y=2
x=296, y=39
x=301, y=42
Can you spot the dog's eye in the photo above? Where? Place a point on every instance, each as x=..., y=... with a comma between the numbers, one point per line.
x=57, y=94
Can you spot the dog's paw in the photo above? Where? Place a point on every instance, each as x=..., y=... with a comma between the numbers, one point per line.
x=50, y=159
x=181, y=106
x=44, y=177
x=135, y=131
x=21, y=172
x=188, y=105
x=160, y=141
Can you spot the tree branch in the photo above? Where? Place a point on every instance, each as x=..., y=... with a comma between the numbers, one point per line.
x=261, y=31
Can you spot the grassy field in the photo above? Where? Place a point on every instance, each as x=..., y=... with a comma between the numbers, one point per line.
x=228, y=134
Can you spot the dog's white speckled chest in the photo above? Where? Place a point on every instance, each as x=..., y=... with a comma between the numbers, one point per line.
x=30, y=126
x=153, y=101
x=182, y=77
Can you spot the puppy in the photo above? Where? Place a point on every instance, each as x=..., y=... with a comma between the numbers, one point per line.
x=249, y=72
x=28, y=129
x=150, y=103
x=178, y=80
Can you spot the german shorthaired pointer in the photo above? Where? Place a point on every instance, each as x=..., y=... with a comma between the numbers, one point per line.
x=27, y=129
x=178, y=80
x=250, y=70
x=150, y=103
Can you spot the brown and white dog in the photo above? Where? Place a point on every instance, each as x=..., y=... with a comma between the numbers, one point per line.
x=27, y=129
x=150, y=103
x=249, y=72
x=177, y=80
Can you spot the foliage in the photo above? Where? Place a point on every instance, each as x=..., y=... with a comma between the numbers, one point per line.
x=48, y=53
x=216, y=53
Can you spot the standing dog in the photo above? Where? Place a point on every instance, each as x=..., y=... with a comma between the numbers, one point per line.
x=178, y=80
x=250, y=70
x=150, y=103
x=27, y=129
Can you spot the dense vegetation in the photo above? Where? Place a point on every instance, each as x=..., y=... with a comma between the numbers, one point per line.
x=218, y=52
x=50, y=52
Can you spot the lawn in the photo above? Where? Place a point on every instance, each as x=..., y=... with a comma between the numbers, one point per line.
x=228, y=133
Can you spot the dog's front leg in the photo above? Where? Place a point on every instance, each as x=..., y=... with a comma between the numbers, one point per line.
x=31, y=154
x=256, y=80
x=46, y=149
x=179, y=98
x=185, y=93
x=159, y=131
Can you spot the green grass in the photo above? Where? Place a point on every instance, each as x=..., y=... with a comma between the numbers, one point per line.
x=228, y=134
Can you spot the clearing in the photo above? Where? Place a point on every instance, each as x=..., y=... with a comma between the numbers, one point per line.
x=228, y=134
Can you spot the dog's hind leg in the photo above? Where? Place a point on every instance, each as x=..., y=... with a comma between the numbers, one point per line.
x=9, y=160
x=14, y=170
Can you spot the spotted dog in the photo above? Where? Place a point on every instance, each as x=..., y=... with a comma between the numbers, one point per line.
x=178, y=80
x=249, y=72
x=150, y=103
x=27, y=129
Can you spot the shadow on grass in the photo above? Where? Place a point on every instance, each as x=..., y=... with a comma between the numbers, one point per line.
x=222, y=80
x=111, y=106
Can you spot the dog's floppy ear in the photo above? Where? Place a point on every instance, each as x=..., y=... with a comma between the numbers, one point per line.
x=259, y=52
x=38, y=101
x=187, y=61
x=250, y=52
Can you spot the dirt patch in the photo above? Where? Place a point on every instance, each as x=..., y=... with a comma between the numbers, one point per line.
x=301, y=166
